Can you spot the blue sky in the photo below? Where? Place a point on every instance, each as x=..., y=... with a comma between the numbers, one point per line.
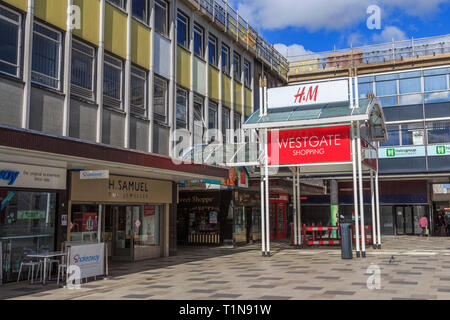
x=299, y=26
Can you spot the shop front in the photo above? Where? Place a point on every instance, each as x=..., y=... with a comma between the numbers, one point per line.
x=278, y=215
x=129, y=214
x=31, y=207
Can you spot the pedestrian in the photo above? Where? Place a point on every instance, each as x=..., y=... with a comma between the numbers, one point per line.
x=441, y=224
x=423, y=223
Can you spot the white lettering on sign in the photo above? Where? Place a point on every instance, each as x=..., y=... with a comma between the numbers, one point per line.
x=307, y=94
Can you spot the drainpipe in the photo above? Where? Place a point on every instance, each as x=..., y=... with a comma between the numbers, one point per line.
x=67, y=69
x=151, y=78
x=27, y=54
x=127, y=96
x=100, y=69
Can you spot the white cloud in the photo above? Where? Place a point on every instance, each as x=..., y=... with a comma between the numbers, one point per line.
x=292, y=50
x=389, y=33
x=326, y=14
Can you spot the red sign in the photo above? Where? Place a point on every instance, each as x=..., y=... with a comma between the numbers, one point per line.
x=316, y=145
x=305, y=96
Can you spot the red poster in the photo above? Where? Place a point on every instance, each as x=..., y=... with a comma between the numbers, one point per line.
x=316, y=145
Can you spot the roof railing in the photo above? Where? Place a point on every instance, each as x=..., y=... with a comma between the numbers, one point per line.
x=221, y=12
x=395, y=51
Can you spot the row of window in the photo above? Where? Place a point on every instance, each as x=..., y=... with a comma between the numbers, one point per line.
x=199, y=49
x=415, y=134
x=407, y=88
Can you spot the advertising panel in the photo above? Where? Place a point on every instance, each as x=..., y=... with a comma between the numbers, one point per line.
x=401, y=152
x=14, y=175
x=90, y=258
x=439, y=150
x=307, y=146
x=307, y=94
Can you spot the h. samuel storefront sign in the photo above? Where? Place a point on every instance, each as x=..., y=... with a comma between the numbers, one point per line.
x=306, y=146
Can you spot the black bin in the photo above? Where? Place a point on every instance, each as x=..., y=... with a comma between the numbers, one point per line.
x=346, y=241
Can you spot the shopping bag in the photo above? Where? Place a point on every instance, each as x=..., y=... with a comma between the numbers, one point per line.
x=427, y=232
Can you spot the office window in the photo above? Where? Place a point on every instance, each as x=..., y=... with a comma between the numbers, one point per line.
x=237, y=127
x=10, y=39
x=212, y=51
x=412, y=85
x=112, y=82
x=237, y=66
x=212, y=116
x=199, y=120
x=160, y=100
x=247, y=73
x=199, y=41
x=435, y=83
x=140, y=10
x=182, y=109
x=183, y=30
x=225, y=122
x=138, y=92
x=162, y=17
x=119, y=3
x=413, y=134
x=46, y=56
x=438, y=132
x=226, y=59
x=393, y=136
x=82, y=70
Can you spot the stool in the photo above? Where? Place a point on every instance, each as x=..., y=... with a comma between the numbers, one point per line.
x=30, y=265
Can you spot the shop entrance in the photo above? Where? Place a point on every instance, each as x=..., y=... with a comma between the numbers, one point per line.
x=278, y=220
x=119, y=231
x=406, y=219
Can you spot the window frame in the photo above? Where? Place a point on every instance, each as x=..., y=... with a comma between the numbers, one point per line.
x=162, y=83
x=120, y=5
x=75, y=89
x=227, y=69
x=134, y=73
x=199, y=31
x=237, y=73
x=112, y=99
x=166, y=9
x=247, y=73
x=60, y=52
x=19, y=43
x=215, y=43
x=146, y=16
x=177, y=120
x=186, y=33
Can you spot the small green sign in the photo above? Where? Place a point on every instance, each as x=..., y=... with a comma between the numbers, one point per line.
x=390, y=152
x=31, y=215
x=440, y=150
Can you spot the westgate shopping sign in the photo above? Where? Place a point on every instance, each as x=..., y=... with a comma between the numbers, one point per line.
x=304, y=146
x=307, y=94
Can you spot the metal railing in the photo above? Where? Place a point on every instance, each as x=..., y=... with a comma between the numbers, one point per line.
x=395, y=51
x=221, y=12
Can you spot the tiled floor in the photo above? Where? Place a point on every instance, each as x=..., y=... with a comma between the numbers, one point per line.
x=420, y=270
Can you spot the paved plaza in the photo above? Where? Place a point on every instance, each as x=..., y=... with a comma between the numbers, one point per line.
x=420, y=270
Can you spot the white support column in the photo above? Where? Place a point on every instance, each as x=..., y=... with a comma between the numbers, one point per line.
x=27, y=54
x=173, y=75
x=294, y=191
x=266, y=148
x=374, y=224
x=233, y=84
x=191, y=76
x=377, y=194
x=100, y=68
x=206, y=102
x=67, y=69
x=220, y=105
x=355, y=190
x=299, y=207
x=151, y=77
x=263, y=205
x=361, y=191
x=127, y=96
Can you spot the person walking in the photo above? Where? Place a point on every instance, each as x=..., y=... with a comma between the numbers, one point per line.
x=423, y=223
x=441, y=224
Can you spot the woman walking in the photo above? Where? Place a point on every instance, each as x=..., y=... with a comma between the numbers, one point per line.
x=423, y=223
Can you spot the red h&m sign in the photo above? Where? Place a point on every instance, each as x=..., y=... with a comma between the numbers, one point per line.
x=316, y=145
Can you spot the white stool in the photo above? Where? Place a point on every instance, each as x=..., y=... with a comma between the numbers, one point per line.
x=61, y=270
x=30, y=265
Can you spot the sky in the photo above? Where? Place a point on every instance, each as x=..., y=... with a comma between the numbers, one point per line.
x=299, y=27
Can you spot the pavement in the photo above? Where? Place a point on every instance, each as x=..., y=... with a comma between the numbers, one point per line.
x=420, y=270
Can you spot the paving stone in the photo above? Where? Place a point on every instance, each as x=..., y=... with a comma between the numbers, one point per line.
x=262, y=286
x=308, y=288
x=404, y=282
x=340, y=293
x=275, y=298
x=137, y=296
x=226, y=295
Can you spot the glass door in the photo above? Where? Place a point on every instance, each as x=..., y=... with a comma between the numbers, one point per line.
x=281, y=218
x=400, y=220
x=409, y=227
x=123, y=233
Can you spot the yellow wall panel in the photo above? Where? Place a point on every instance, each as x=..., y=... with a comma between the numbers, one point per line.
x=140, y=45
x=214, y=83
x=183, y=68
x=226, y=90
x=115, y=31
x=52, y=11
x=248, y=102
x=237, y=97
x=20, y=4
x=90, y=20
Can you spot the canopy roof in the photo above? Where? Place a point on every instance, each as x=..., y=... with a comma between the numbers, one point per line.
x=322, y=115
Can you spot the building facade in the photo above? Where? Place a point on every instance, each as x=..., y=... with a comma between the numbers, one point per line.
x=112, y=86
x=411, y=80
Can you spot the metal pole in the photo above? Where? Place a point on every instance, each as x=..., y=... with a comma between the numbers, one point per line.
x=263, y=215
x=299, y=207
x=374, y=224
x=294, y=187
x=361, y=191
x=355, y=191
x=377, y=193
x=267, y=192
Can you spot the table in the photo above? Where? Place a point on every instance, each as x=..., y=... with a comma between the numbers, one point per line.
x=46, y=256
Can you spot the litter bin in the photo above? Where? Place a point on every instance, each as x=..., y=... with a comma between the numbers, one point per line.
x=346, y=241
